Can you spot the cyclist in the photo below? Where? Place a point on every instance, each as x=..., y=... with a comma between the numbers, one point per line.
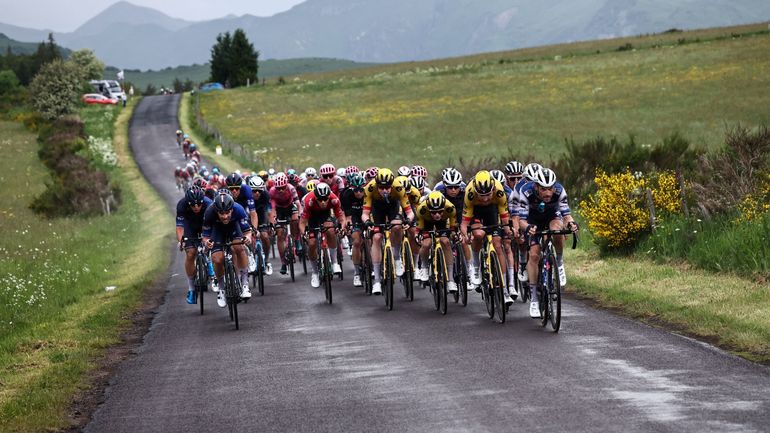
x=179, y=137
x=528, y=175
x=370, y=174
x=384, y=199
x=485, y=205
x=353, y=205
x=404, y=171
x=453, y=188
x=514, y=172
x=419, y=171
x=543, y=205
x=321, y=206
x=189, y=225
x=499, y=176
x=186, y=147
x=179, y=177
x=262, y=208
x=243, y=195
x=310, y=174
x=329, y=177
x=436, y=212
x=284, y=204
x=294, y=181
x=225, y=221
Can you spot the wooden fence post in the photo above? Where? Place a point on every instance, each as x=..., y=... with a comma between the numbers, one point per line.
x=651, y=205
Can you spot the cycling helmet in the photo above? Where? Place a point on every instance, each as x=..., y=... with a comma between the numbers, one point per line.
x=545, y=177
x=280, y=180
x=341, y=172
x=351, y=169
x=292, y=178
x=483, y=182
x=327, y=169
x=514, y=168
x=223, y=202
x=404, y=171
x=186, y=136
x=178, y=168
x=498, y=176
x=234, y=179
x=384, y=177
x=215, y=170
x=224, y=191
x=194, y=195
x=530, y=171
x=291, y=171
x=436, y=201
x=355, y=180
x=270, y=171
x=200, y=183
x=312, y=184
x=419, y=171
x=193, y=147
x=370, y=173
x=452, y=177
x=322, y=191
x=310, y=172
x=418, y=183
x=256, y=183
x=178, y=132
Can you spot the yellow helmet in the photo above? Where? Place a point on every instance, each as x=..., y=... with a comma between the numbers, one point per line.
x=310, y=186
x=384, y=177
x=436, y=201
x=483, y=182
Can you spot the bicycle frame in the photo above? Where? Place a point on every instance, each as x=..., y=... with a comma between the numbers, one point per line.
x=492, y=292
x=549, y=287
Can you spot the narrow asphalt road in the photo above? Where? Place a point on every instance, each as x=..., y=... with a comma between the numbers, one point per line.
x=298, y=364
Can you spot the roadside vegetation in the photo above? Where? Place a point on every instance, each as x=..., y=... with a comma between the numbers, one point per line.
x=660, y=140
x=70, y=284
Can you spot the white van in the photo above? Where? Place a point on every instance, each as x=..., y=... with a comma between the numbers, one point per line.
x=109, y=88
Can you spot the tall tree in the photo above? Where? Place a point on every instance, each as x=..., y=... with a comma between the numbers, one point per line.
x=90, y=67
x=56, y=88
x=233, y=59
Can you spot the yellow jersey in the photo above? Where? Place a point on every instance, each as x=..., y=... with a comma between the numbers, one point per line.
x=397, y=194
x=472, y=200
x=448, y=213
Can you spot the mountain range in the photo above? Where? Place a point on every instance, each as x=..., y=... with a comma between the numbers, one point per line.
x=131, y=36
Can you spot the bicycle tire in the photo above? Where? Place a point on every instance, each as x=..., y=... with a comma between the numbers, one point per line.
x=259, y=277
x=462, y=277
x=339, y=257
x=441, y=280
x=542, y=290
x=303, y=257
x=327, y=275
x=233, y=292
x=554, y=295
x=486, y=288
x=366, y=269
x=290, y=259
x=388, y=277
x=497, y=285
x=201, y=278
x=408, y=278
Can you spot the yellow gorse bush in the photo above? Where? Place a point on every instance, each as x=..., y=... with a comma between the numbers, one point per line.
x=753, y=206
x=618, y=213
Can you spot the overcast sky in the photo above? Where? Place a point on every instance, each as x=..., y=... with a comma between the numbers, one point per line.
x=67, y=15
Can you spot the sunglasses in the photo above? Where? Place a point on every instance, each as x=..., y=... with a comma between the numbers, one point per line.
x=322, y=198
x=436, y=212
x=195, y=203
x=234, y=188
x=280, y=188
x=328, y=176
x=514, y=178
x=453, y=187
x=227, y=212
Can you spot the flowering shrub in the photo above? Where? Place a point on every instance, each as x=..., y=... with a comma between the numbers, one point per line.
x=102, y=151
x=755, y=205
x=618, y=213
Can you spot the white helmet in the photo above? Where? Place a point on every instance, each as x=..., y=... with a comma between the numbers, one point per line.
x=271, y=171
x=310, y=172
x=514, y=167
x=404, y=171
x=341, y=172
x=256, y=183
x=452, y=177
x=417, y=182
x=530, y=171
x=545, y=177
x=498, y=176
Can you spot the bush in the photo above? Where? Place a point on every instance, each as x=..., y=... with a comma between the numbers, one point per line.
x=618, y=214
x=55, y=89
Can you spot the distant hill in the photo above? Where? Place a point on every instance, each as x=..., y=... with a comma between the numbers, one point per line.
x=135, y=37
x=23, y=47
x=267, y=69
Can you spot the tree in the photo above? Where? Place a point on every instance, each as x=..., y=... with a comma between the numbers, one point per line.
x=8, y=82
x=177, y=85
x=55, y=89
x=90, y=67
x=234, y=60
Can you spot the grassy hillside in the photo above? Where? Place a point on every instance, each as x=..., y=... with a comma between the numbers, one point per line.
x=23, y=47
x=269, y=69
x=526, y=100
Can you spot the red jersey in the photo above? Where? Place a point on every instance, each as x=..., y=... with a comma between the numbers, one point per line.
x=312, y=207
x=283, y=199
x=336, y=184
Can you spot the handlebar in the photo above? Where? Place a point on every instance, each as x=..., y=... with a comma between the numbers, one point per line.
x=560, y=232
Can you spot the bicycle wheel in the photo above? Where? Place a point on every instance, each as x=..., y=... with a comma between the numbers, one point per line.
x=259, y=276
x=388, y=275
x=498, y=290
x=407, y=279
x=233, y=292
x=327, y=275
x=461, y=277
x=441, y=280
x=290, y=258
x=201, y=278
x=303, y=257
x=486, y=288
x=433, y=287
x=554, y=294
x=366, y=269
x=339, y=257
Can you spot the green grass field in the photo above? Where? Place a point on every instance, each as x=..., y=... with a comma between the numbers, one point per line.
x=56, y=317
x=528, y=101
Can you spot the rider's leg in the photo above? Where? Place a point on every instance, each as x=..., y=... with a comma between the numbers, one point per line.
x=280, y=234
x=377, y=256
x=331, y=241
x=189, y=266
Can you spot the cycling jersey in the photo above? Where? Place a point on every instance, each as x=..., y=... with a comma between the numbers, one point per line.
x=458, y=201
x=352, y=206
x=191, y=222
x=336, y=184
x=282, y=199
x=472, y=201
x=315, y=214
x=534, y=211
x=426, y=222
x=245, y=198
x=214, y=229
x=441, y=187
x=513, y=203
x=397, y=195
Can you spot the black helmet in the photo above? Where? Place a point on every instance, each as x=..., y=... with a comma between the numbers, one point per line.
x=234, y=179
x=322, y=191
x=194, y=195
x=223, y=203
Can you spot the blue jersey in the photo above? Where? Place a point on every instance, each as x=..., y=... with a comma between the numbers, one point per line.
x=211, y=220
x=532, y=208
x=246, y=198
x=262, y=203
x=185, y=217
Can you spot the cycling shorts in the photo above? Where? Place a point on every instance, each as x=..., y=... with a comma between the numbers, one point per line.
x=486, y=216
x=221, y=234
x=383, y=212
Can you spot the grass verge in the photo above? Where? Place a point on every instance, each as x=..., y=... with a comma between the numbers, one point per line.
x=188, y=124
x=724, y=309
x=56, y=318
